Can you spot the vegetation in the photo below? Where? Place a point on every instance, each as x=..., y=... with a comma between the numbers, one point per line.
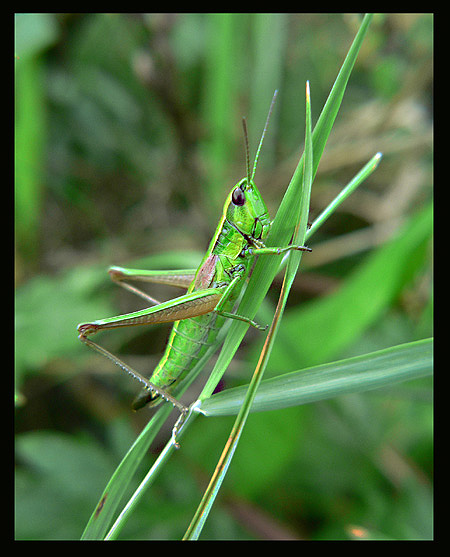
x=128, y=139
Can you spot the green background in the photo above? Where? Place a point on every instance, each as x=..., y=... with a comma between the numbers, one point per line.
x=128, y=138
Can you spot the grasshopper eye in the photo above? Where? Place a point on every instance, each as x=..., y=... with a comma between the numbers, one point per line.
x=238, y=197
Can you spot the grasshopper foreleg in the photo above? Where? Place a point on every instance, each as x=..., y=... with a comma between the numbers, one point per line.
x=239, y=270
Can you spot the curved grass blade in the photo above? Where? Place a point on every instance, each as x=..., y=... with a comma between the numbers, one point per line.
x=103, y=514
x=204, y=508
x=285, y=220
x=262, y=277
x=265, y=271
x=362, y=175
x=101, y=518
x=375, y=370
x=145, y=484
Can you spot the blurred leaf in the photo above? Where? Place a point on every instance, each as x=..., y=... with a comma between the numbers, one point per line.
x=48, y=309
x=57, y=483
x=103, y=514
x=34, y=33
x=30, y=138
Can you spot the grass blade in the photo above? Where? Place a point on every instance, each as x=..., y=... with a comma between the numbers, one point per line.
x=266, y=268
x=347, y=190
x=358, y=374
x=103, y=514
x=285, y=219
x=262, y=277
x=294, y=258
x=100, y=520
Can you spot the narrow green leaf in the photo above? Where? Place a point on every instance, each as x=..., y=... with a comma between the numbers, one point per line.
x=101, y=518
x=285, y=220
x=303, y=191
x=361, y=373
x=262, y=277
x=330, y=324
x=362, y=175
x=103, y=514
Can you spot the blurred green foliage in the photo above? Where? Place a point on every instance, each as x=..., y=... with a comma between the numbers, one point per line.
x=128, y=137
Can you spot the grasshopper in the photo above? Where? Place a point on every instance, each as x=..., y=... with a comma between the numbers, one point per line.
x=212, y=290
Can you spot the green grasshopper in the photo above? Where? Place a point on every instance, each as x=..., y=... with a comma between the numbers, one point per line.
x=212, y=290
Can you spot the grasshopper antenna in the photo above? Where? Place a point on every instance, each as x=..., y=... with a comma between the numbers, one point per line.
x=262, y=136
x=247, y=150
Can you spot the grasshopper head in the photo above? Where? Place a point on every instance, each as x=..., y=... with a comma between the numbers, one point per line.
x=246, y=210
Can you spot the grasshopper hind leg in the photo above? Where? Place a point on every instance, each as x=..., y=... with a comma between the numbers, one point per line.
x=151, y=392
